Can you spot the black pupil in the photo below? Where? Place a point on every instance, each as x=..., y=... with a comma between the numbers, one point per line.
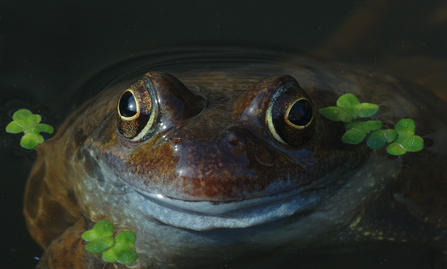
x=128, y=105
x=301, y=113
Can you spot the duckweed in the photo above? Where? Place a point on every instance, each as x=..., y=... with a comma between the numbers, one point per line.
x=29, y=123
x=101, y=240
x=349, y=108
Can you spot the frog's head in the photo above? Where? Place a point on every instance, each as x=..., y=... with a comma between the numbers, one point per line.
x=219, y=158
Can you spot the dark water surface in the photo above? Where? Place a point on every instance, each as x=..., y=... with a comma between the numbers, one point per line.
x=49, y=50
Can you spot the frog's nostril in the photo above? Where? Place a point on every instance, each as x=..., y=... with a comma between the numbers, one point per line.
x=237, y=145
x=235, y=140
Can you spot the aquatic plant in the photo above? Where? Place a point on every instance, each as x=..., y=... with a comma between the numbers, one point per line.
x=348, y=109
x=29, y=123
x=101, y=240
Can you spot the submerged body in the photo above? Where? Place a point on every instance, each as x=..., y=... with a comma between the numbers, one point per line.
x=217, y=166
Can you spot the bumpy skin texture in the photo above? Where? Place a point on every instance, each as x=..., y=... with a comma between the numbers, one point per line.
x=210, y=149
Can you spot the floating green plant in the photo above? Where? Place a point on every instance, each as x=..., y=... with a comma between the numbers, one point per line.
x=122, y=251
x=27, y=122
x=357, y=130
x=380, y=138
x=406, y=140
x=115, y=249
x=100, y=237
x=349, y=108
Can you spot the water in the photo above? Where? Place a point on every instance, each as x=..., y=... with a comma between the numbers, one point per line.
x=49, y=51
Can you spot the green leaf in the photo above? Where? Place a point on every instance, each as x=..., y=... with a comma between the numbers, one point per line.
x=405, y=126
x=115, y=249
x=100, y=237
x=125, y=239
x=379, y=138
x=353, y=137
x=335, y=114
x=30, y=141
x=348, y=107
x=99, y=245
x=38, y=128
x=390, y=135
x=14, y=128
x=376, y=140
x=110, y=255
x=122, y=251
x=413, y=144
x=349, y=102
x=27, y=122
x=31, y=129
x=101, y=229
x=24, y=117
x=127, y=256
x=22, y=114
x=44, y=128
x=364, y=126
x=409, y=142
x=406, y=140
x=366, y=110
x=395, y=149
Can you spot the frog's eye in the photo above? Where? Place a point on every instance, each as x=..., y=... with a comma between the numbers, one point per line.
x=136, y=111
x=128, y=106
x=300, y=114
x=291, y=115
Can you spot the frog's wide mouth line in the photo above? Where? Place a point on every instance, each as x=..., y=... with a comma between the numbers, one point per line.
x=206, y=215
x=201, y=215
x=333, y=188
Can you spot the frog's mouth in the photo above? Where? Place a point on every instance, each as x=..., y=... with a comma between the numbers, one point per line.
x=206, y=215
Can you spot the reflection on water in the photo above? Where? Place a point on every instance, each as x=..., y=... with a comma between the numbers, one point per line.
x=405, y=38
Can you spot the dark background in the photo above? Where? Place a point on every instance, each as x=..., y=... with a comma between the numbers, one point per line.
x=49, y=48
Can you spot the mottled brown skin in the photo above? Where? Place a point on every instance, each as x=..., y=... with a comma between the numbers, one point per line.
x=50, y=207
x=67, y=251
x=213, y=173
x=211, y=144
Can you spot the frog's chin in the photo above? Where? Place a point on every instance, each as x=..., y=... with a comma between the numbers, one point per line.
x=206, y=215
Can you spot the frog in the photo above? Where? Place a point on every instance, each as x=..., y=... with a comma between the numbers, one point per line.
x=232, y=165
